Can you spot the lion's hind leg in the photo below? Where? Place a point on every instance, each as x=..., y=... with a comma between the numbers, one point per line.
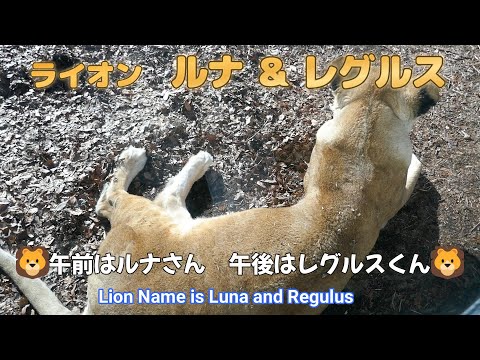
x=130, y=163
x=172, y=198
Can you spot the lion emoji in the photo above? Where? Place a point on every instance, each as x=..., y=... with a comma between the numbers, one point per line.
x=32, y=261
x=447, y=263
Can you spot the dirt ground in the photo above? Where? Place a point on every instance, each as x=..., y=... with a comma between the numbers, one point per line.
x=57, y=146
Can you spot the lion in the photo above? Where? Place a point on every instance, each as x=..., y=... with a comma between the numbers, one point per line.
x=362, y=171
x=32, y=261
x=448, y=263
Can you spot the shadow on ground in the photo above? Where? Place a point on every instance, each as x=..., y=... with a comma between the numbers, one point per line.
x=414, y=230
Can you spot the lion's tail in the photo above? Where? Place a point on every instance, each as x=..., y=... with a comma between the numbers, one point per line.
x=36, y=291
